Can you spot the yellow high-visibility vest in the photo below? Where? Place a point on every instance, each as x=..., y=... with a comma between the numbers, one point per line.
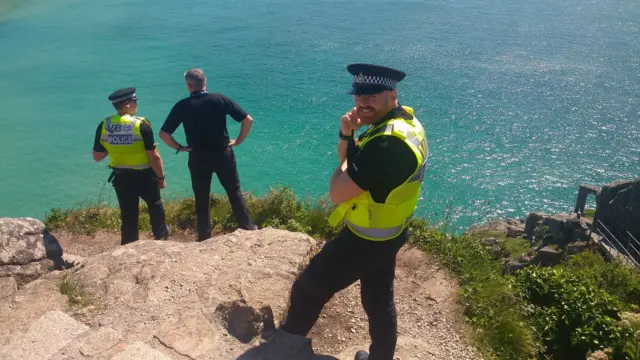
x=384, y=221
x=123, y=141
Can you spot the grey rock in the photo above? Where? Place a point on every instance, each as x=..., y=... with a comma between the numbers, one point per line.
x=27, y=249
x=139, y=351
x=512, y=266
x=515, y=231
x=31, y=302
x=533, y=222
x=190, y=335
x=21, y=241
x=8, y=287
x=580, y=235
x=576, y=248
x=548, y=257
x=45, y=337
x=99, y=341
x=560, y=229
x=490, y=241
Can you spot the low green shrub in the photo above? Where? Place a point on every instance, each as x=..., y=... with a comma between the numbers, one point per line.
x=617, y=279
x=572, y=315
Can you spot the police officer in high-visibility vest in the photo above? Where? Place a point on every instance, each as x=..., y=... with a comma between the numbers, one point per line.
x=137, y=170
x=376, y=186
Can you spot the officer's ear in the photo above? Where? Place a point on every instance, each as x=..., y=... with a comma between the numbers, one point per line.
x=393, y=96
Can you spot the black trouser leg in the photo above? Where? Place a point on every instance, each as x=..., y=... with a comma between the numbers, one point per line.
x=151, y=195
x=227, y=172
x=377, y=299
x=126, y=187
x=332, y=269
x=339, y=264
x=201, y=184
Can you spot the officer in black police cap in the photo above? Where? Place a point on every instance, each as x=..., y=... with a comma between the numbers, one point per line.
x=137, y=169
x=376, y=187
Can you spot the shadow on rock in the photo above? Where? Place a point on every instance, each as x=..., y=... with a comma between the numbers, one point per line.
x=53, y=249
x=244, y=321
x=284, y=346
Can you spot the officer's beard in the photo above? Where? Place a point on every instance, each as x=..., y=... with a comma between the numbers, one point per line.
x=370, y=115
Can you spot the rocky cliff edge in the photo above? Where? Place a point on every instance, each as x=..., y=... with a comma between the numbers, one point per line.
x=217, y=299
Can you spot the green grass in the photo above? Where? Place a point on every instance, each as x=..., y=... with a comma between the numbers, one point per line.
x=483, y=234
x=279, y=208
x=590, y=213
x=77, y=296
x=516, y=246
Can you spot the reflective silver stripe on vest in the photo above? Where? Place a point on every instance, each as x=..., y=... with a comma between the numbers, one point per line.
x=379, y=233
x=419, y=174
x=421, y=145
x=135, y=167
x=135, y=137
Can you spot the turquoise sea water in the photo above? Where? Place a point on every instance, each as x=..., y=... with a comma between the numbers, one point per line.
x=522, y=100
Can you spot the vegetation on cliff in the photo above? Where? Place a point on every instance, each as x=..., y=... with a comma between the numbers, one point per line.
x=582, y=307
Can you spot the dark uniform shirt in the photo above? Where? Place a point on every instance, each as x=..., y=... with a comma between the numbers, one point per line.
x=145, y=131
x=204, y=117
x=384, y=163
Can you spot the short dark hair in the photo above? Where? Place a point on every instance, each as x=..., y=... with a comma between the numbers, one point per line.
x=196, y=78
x=120, y=105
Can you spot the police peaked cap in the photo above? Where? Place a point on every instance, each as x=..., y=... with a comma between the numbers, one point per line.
x=373, y=79
x=121, y=95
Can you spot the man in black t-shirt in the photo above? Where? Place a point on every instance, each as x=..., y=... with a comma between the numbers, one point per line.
x=383, y=164
x=204, y=117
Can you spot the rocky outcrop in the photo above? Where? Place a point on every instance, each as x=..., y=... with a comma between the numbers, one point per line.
x=560, y=229
x=27, y=249
x=509, y=227
x=207, y=300
x=618, y=206
x=218, y=299
x=551, y=237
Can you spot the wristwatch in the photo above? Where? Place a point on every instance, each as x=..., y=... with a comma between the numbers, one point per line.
x=161, y=178
x=345, y=137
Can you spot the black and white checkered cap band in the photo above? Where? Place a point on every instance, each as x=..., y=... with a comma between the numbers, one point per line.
x=374, y=80
x=123, y=98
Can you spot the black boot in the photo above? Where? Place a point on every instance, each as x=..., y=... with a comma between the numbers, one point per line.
x=362, y=355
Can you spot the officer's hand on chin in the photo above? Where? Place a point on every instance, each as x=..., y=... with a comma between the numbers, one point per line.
x=350, y=122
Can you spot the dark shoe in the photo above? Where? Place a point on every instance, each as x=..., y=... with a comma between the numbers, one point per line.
x=166, y=234
x=252, y=227
x=362, y=355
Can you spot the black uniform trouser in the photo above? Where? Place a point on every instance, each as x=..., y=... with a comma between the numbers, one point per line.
x=202, y=165
x=341, y=262
x=130, y=185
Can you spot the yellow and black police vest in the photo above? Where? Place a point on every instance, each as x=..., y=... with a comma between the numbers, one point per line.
x=384, y=221
x=123, y=141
